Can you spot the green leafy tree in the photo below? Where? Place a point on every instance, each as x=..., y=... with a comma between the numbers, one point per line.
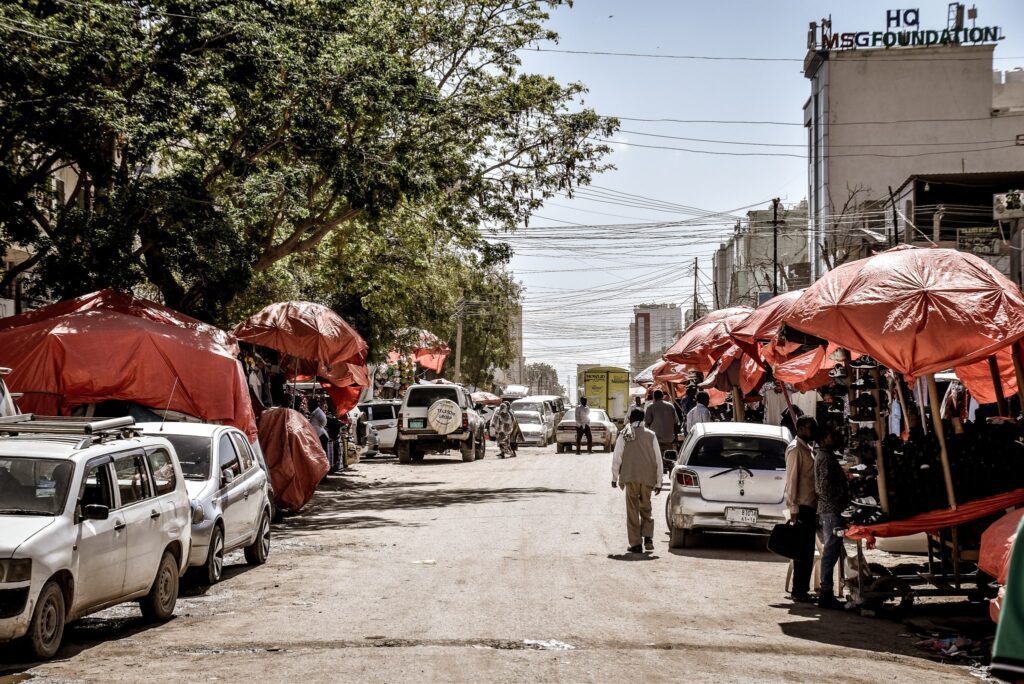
x=213, y=144
x=542, y=378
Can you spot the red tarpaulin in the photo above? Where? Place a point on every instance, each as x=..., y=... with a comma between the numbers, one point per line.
x=485, y=398
x=307, y=331
x=706, y=339
x=764, y=322
x=915, y=310
x=294, y=457
x=936, y=520
x=994, y=555
x=428, y=351
x=977, y=377
x=99, y=354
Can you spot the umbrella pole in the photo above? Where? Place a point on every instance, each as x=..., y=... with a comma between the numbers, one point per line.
x=947, y=474
x=739, y=412
x=789, y=404
x=883, y=491
x=997, y=383
x=1018, y=369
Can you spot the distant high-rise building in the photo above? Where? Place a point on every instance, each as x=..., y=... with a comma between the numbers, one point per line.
x=653, y=330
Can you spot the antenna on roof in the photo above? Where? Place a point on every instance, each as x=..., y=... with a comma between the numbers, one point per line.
x=168, y=407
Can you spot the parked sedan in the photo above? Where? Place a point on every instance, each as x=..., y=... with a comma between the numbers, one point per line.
x=602, y=429
x=532, y=429
x=731, y=477
x=229, y=491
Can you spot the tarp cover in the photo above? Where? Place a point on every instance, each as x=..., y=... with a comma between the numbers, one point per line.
x=305, y=330
x=915, y=310
x=429, y=351
x=996, y=547
x=702, y=343
x=764, y=322
x=936, y=520
x=295, y=459
x=65, y=360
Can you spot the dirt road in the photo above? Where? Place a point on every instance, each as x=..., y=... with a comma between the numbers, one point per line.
x=499, y=570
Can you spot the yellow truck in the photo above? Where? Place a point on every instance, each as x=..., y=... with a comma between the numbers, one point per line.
x=607, y=388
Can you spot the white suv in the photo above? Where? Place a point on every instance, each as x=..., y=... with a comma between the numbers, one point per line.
x=435, y=418
x=91, y=515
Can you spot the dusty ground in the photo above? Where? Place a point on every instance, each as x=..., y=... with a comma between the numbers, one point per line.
x=497, y=570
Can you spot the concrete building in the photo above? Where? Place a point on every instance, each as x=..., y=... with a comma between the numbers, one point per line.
x=920, y=102
x=744, y=264
x=653, y=330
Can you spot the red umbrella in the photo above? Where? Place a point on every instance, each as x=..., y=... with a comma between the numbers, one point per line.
x=705, y=340
x=429, y=351
x=307, y=331
x=764, y=322
x=915, y=310
x=485, y=398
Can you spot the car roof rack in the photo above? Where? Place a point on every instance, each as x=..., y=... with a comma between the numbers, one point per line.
x=92, y=430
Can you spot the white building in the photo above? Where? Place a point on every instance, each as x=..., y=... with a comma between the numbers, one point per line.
x=653, y=330
x=878, y=115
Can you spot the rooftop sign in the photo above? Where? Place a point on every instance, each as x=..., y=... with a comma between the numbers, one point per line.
x=903, y=29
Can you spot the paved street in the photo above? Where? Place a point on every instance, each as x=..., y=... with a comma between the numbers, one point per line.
x=483, y=572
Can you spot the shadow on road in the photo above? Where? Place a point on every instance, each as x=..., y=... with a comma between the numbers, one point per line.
x=632, y=557
x=731, y=547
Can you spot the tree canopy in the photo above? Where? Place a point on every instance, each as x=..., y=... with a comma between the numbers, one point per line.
x=223, y=151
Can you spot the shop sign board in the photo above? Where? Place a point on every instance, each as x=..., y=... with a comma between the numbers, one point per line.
x=902, y=29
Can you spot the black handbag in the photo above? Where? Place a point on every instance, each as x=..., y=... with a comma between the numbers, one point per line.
x=785, y=540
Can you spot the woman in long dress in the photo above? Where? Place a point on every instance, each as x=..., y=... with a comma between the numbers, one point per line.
x=505, y=428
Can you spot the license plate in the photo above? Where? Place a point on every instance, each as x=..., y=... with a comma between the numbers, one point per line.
x=741, y=515
x=417, y=423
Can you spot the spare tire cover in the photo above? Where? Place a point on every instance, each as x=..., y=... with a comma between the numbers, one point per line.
x=444, y=416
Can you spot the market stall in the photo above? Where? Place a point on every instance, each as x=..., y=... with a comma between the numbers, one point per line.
x=912, y=312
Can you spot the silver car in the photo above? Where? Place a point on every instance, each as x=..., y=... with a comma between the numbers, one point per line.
x=229, y=492
x=730, y=477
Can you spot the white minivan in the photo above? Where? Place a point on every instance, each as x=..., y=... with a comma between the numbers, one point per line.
x=92, y=514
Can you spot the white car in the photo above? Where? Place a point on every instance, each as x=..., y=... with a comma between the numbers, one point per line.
x=532, y=429
x=436, y=417
x=383, y=416
x=544, y=408
x=229, y=493
x=91, y=515
x=602, y=430
x=730, y=477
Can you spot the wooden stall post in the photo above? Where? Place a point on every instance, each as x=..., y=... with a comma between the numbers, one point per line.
x=997, y=383
x=1018, y=369
x=789, y=403
x=883, y=491
x=903, y=401
x=947, y=473
x=739, y=413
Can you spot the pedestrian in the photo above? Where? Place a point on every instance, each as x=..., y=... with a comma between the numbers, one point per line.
x=503, y=423
x=802, y=502
x=638, y=402
x=661, y=417
x=582, y=418
x=700, y=413
x=318, y=419
x=636, y=468
x=833, y=489
x=689, y=400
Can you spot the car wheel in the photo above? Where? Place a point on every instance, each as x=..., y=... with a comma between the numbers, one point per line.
x=163, y=596
x=405, y=453
x=417, y=454
x=257, y=552
x=47, y=627
x=214, y=568
x=468, y=450
x=481, y=447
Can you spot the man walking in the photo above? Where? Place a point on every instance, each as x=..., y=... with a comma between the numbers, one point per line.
x=803, y=504
x=582, y=418
x=833, y=490
x=661, y=417
x=636, y=468
x=700, y=413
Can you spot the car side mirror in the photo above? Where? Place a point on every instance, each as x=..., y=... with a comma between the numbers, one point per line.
x=95, y=512
x=670, y=455
x=226, y=476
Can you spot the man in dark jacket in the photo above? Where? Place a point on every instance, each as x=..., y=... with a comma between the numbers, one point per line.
x=833, y=489
x=636, y=468
x=662, y=418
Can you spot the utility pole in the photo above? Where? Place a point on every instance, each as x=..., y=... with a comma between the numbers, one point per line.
x=775, y=247
x=694, y=289
x=458, y=344
x=895, y=219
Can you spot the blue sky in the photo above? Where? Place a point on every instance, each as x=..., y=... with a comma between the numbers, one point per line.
x=578, y=305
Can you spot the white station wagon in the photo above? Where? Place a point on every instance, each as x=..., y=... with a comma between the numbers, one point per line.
x=730, y=477
x=91, y=515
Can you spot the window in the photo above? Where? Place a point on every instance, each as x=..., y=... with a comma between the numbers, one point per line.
x=193, y=455
x=34, y=486
x=424, y=397
x=227, y=458
x=384, y=412
x=756, y=453
x=132, y=479
x=244, y=452
x=162, y=467
x=96, y=487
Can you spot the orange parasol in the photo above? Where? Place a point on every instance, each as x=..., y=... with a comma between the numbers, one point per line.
x=764, y=322
x=702, y=343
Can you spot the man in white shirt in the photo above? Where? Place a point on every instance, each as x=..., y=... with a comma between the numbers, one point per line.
x=318, y=419
x=582, y=418
x=699, y=413
x=636, y=468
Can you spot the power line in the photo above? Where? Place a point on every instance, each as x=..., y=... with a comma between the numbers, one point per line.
x=739, y=58
x=795, y=156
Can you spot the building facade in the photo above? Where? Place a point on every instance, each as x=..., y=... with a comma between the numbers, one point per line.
x=917, y=103
x=653, y=330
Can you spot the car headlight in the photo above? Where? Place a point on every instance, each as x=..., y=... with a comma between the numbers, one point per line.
x=198, y=515
x=15, y=570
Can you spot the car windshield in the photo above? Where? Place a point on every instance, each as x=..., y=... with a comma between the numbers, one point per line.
x=193, y=453
x=34, y=486
x=528, y=406
x=424, y=397
x=599, y=416
x=528, y=418
x=733, y=451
